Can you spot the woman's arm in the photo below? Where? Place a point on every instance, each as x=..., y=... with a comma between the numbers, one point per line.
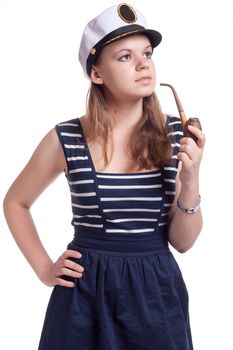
x=46, y=163
x=184, y=228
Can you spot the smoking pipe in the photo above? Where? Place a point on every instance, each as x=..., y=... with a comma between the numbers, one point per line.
x=184, y=121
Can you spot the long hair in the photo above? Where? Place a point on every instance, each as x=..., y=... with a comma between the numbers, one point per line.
x=148, y=144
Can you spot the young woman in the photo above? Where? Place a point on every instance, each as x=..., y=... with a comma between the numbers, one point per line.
x=134, y=183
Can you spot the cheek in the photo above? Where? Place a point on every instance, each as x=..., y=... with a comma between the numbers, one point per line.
x=153, y=70
x=153, y=74
x=118, y=78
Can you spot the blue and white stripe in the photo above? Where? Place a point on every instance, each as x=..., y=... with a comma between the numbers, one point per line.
x=117, y=203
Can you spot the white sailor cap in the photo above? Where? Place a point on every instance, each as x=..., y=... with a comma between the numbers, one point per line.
x=116, y=22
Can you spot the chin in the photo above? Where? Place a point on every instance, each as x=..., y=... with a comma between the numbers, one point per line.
x=148, y=93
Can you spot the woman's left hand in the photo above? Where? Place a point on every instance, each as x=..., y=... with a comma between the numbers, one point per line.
x=190, y=155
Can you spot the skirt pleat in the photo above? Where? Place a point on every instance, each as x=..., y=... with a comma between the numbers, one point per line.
x=123, y=302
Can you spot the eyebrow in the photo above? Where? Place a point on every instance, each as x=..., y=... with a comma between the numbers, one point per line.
x=148, y=46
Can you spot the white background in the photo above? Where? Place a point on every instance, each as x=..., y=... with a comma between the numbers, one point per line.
x=41, y=84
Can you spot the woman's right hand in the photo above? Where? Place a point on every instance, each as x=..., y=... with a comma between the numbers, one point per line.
x=64, y=266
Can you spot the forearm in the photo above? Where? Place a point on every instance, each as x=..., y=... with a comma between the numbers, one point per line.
x=23, y=229
x=185, y=228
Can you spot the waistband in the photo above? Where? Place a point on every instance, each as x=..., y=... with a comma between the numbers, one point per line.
x=152, y=242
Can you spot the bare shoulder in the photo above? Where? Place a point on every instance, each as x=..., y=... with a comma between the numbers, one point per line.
x=51, y=138
x=50, y=150
x=45, y=164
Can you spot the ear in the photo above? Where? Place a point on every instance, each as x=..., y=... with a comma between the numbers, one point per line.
x=96, y=76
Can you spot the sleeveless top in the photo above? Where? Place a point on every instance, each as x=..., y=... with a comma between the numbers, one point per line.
x=117, y=203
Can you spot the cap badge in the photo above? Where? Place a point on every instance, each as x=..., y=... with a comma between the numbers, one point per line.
x=127, y=13
x=93, y=51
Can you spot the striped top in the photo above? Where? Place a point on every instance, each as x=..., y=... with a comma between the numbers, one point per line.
x=117, y=203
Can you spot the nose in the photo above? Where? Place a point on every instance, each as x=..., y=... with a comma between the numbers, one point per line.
x=142, y=63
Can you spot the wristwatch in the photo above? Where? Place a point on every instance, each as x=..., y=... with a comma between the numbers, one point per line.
x=191, y=210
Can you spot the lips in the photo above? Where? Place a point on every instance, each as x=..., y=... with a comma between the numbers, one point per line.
x=145, y=78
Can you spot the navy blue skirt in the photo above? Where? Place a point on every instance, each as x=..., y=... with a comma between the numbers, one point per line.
x=131, y=297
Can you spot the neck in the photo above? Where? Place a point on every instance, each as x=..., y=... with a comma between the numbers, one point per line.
x=125, y=114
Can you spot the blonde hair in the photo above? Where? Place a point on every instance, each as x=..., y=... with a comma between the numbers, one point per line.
x=148, y=145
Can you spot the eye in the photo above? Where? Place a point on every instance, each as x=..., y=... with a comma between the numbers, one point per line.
x=125, y=58
x=148, y=54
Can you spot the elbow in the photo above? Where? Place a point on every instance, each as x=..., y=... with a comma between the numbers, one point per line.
x=5, y=204
x=183, y=240
x=10, y=204
x=182, y=248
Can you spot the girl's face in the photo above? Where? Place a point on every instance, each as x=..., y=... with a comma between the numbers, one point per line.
x=125, y=69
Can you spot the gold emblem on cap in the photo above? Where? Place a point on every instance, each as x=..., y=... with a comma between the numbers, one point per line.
x=93, y=51
x=127, y=13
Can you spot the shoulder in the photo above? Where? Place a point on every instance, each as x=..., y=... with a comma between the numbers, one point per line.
x=175, y=132
x=173, y=122
x=174, y=127
x=49, y=147
x=69, y=130
x=67, y=124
